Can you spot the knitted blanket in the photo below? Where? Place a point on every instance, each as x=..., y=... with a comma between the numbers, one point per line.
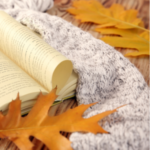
x=105, y=76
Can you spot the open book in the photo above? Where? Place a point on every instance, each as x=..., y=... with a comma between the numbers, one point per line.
x=29, y=65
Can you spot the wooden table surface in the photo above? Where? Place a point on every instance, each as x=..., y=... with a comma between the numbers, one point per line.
x=142, y=63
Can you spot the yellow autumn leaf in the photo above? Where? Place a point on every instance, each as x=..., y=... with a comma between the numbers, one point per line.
x=129, y=39
x=114, y=31
x=117, y=21
x=115, y=16
x=144, y=35
x=142, y=53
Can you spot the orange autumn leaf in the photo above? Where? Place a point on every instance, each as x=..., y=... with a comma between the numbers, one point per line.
x=45, y=128
x=115, y=16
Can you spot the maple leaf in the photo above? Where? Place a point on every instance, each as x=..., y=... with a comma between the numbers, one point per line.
x=45, y=128
x=129, y=39
x=115, y=16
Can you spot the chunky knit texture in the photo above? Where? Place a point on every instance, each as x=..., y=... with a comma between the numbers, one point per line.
x=105, y=76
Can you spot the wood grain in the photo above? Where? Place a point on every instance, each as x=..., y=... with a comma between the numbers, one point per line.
x=142, y=63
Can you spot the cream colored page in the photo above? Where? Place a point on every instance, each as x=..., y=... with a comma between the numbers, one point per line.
x=72, y=81
x=14, y=80
x=67, y=92
x=36, y=57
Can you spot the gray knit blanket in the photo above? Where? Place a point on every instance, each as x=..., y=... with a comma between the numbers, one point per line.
x=105, y=76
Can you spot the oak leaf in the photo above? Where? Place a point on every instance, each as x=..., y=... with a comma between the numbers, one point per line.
x=45, y=128
x=117, y=21
x=129, y=39
x=115, y=16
